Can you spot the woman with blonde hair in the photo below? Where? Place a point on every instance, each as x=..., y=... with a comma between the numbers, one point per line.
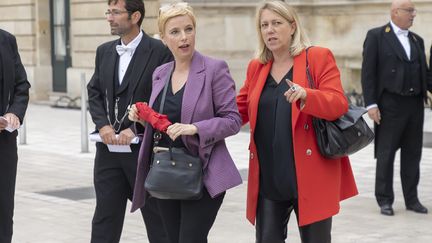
x=200, y=102
x=286, y=170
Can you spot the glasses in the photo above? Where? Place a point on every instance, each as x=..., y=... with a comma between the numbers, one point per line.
x=179, y=5
x=115, y=13
x=409, y=10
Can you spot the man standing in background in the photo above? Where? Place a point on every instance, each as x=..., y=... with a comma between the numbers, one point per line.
x=14, y=97
x=123, y=76
x=394, y=87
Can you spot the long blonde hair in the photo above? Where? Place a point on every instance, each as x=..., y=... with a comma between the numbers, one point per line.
x=300, y=40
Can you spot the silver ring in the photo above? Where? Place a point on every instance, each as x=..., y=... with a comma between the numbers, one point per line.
x=293, y=88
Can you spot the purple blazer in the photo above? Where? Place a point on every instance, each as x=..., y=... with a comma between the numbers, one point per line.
x=209, y=103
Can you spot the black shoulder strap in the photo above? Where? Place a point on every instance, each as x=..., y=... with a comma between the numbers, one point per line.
x=157, y=135
x=165, y=90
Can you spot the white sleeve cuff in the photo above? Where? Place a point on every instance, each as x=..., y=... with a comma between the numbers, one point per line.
x=371, y=106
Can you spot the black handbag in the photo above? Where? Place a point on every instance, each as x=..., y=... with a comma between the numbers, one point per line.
x=174, y=173
x=344, y=136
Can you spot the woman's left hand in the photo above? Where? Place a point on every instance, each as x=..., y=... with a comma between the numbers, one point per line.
x=295, y=92
x=177, y=129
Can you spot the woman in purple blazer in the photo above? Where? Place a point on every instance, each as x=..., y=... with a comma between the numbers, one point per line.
x=200, y=102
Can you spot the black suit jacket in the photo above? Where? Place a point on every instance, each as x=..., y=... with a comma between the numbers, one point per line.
x=383, y=63
x=15, y=95
x=149, y=54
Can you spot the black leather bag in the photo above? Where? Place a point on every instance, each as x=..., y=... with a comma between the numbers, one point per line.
x=344, y=136
x=174, y=174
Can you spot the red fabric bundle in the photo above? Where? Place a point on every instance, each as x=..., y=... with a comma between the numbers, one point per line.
x=157, y=120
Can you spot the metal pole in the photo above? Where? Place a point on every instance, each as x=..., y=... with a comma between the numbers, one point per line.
x=23, y=134
x=84, y=129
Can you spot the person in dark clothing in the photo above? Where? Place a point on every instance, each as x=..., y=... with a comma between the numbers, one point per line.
x=394, y=86
x=123, y=74
x=287, y=173
x=14, y=97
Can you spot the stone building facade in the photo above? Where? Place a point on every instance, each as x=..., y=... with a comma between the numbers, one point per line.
x=58, y=38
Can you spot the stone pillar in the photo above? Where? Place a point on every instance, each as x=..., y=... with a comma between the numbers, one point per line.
x=42, y=73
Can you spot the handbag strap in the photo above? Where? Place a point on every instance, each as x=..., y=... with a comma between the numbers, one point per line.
x=165, y=91
x=308, y=73
x=157, y=135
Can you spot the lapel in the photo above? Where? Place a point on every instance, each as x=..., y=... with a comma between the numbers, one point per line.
x=256, y=92
x=108, y=71
x=299, y=77
x=139, y=63
x=415, y=44
x=422, y=57
x=159, y=83
x=194, y=85
x=6, y=58
x=394, y=42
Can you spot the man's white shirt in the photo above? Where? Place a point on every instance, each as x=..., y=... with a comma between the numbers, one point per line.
x=126, y=52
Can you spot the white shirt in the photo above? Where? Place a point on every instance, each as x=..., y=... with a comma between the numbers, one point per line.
x=402, y=35
x=125, y=59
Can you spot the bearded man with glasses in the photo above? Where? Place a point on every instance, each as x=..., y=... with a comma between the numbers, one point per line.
x=122, y=76
x=394, y=87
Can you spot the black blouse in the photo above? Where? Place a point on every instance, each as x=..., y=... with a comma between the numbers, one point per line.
x=273, y=138
x=172, y=108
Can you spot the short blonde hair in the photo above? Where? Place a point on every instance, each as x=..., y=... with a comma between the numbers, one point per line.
x=300, y=40
x=173, y=10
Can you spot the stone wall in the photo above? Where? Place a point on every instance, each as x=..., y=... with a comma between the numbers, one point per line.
x=342, y=27
x=89, y=29
x=225, y=29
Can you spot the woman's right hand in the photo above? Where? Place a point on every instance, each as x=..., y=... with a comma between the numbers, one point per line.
x=133, y=114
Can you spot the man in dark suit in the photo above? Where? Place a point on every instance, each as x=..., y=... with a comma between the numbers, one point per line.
x=123, y=76
x=14, y=97
x=394, y=87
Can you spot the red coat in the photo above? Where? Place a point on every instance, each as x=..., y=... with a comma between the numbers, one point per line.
x=322, y=183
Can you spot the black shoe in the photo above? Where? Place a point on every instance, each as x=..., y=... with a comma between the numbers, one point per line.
x=387, y=209
x=417, y=207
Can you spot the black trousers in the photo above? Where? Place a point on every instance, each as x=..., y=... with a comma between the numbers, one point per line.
x=114, y=179
x=189, y=221
x=401, y=127
x=272, y=220
x=8, y=169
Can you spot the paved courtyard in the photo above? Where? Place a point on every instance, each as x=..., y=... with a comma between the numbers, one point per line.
x=55, y=197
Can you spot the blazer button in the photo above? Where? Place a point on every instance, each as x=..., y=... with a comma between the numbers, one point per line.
x=251, y=155
x=206, y=155
x=308, y=151
x=393, y=70
x=306, y=126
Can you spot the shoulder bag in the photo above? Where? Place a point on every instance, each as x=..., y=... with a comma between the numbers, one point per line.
x=344, y=136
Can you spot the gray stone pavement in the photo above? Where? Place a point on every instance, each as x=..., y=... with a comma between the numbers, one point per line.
x=55, y=198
